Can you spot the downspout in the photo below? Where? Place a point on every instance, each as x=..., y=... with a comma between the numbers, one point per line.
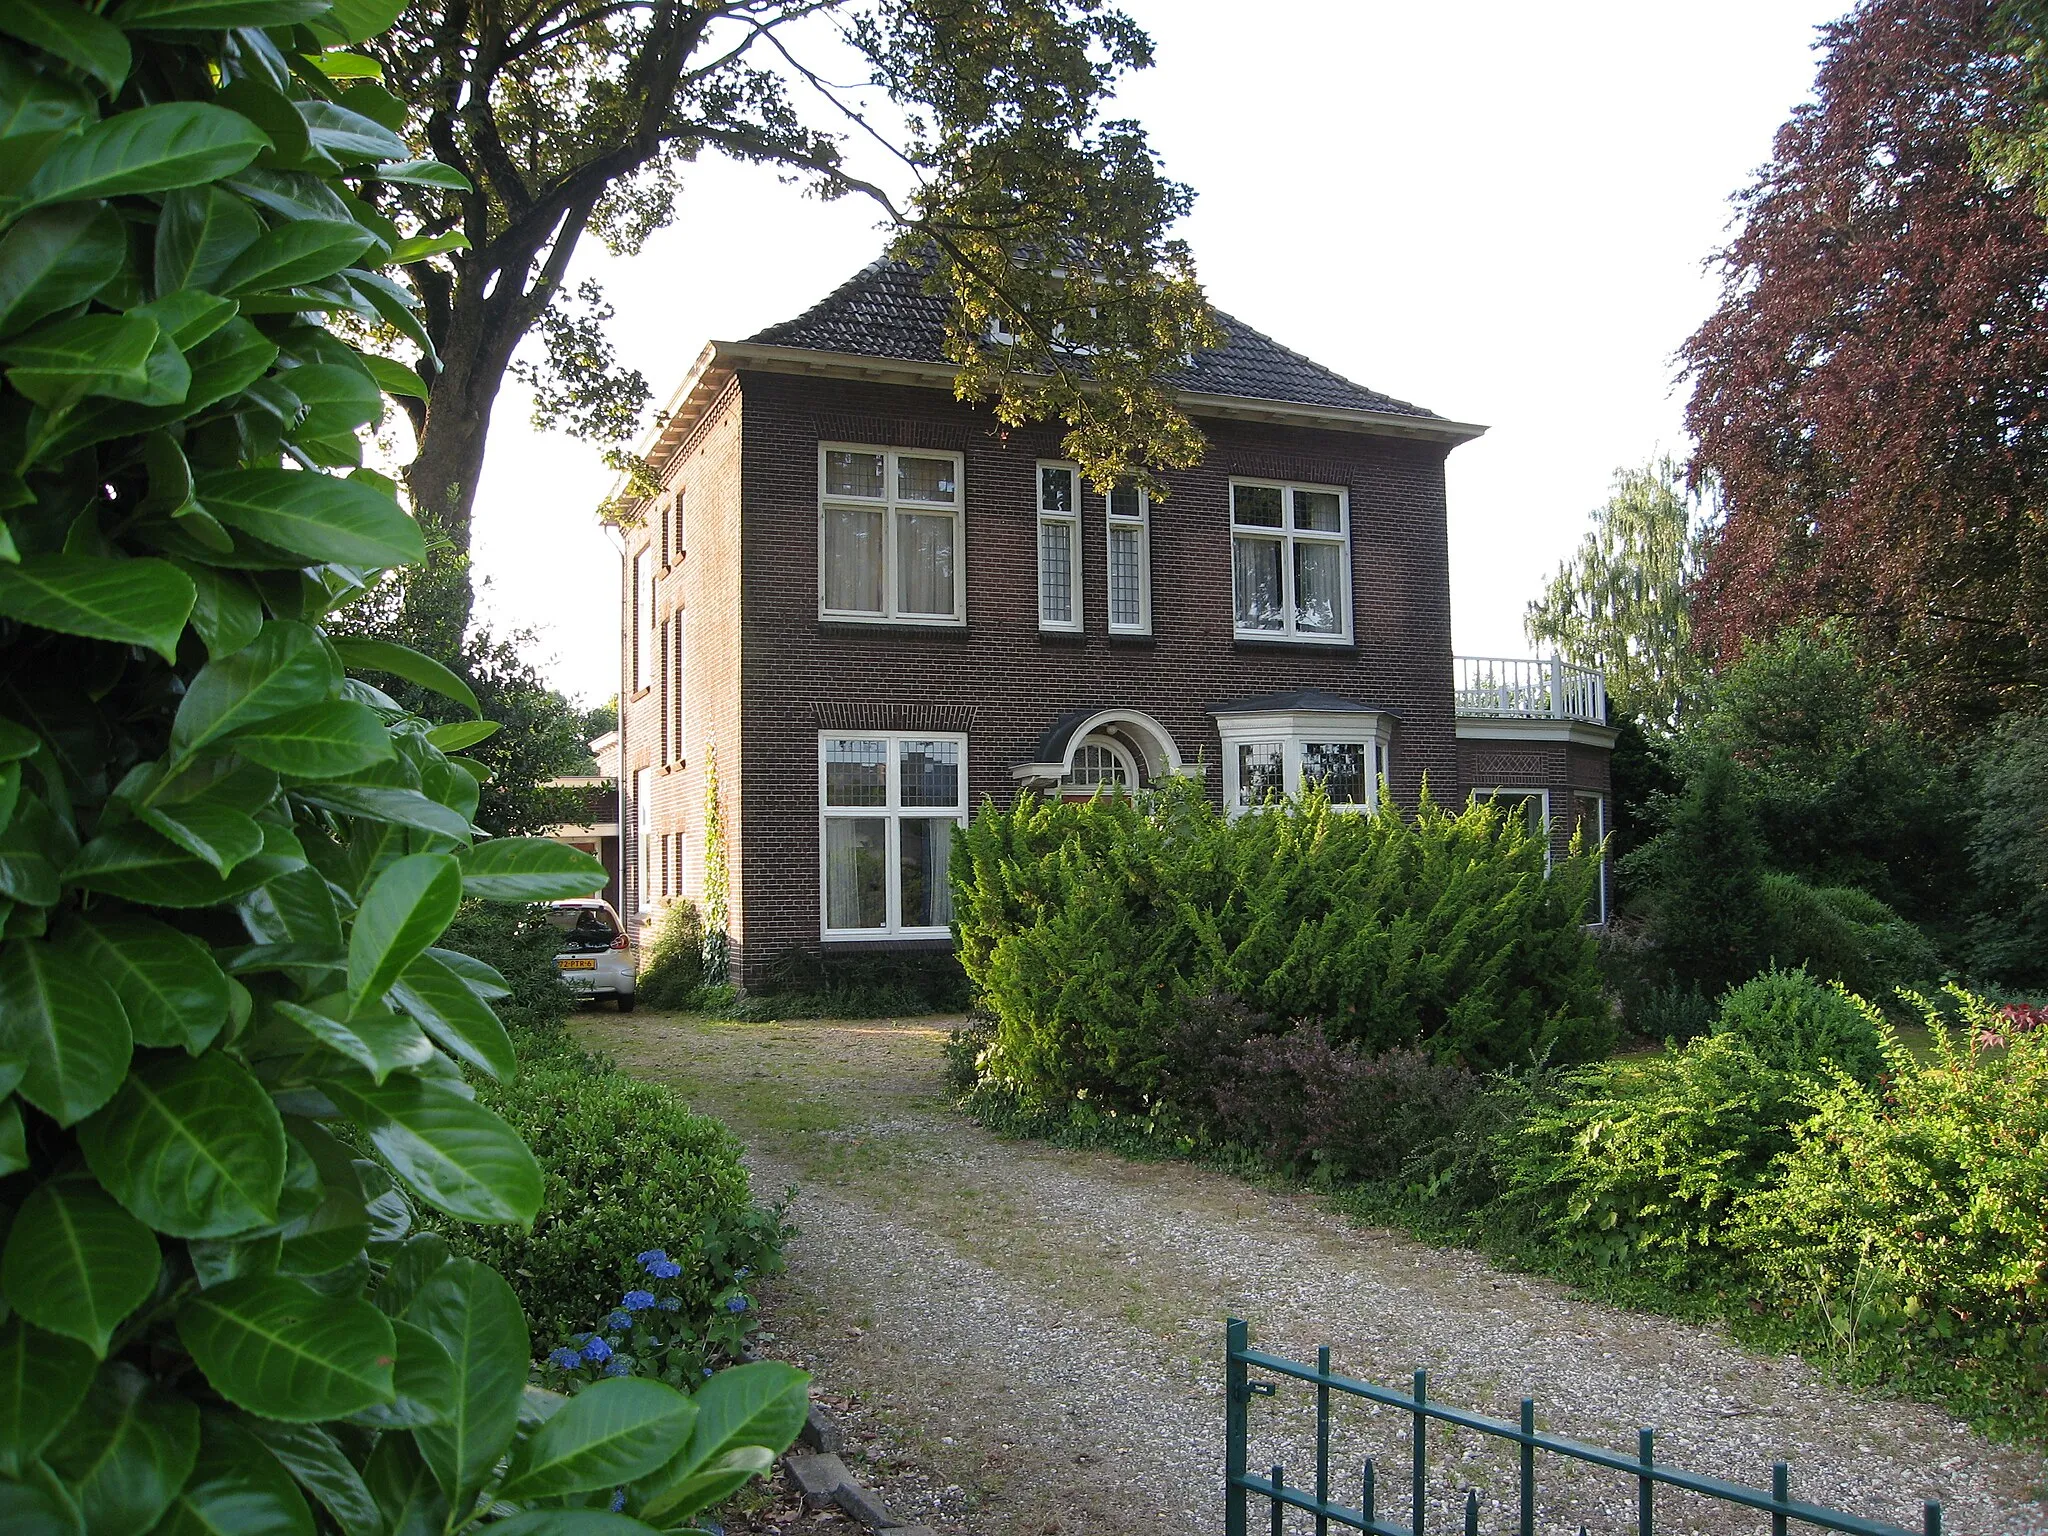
x=619, y=788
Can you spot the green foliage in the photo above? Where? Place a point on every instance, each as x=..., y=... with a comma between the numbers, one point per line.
x=717, y=912
x=226, y=865
x=1640, y=1169
x=672, y=964
x=1846, y=935
x=628, y=1168
x=1795, y=1024
x=1933, y=1188
x=2008, y=848
x=1623, y=602
x=520, y=944
x=1087, y=928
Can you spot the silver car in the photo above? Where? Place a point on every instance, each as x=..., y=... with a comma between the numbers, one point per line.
x=596, y=958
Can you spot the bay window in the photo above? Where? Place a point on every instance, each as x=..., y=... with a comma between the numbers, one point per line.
x=1290, y=561
x=1130, y=562
x=888, y=806
x=1276, y=754
x=1059, y=547
x=889, y=535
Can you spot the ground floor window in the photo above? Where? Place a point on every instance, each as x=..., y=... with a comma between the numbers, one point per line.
x=1273, y=764
x=1591, y=828
x=1099, y=761
x=888, y=807
x=643, y=826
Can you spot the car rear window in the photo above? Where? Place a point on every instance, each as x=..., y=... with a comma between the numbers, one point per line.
x=583, y=922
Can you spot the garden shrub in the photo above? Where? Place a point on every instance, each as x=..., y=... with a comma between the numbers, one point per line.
x=1842, y=934
x=1934, y=1186
x=2008, y=849
x=1796, y=1024
x=1701, y=884
x=672, y=964
x=1639, y=1170
x=628, y=1167
x=522, y=944
x=1091, y=927
x=1671, y=1012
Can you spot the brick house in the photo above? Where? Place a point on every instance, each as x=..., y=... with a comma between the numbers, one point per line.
x=875, y=607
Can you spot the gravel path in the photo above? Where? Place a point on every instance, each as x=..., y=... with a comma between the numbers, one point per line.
x=1041, y=1330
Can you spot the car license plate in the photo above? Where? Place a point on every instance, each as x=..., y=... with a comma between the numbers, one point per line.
x=577, y=965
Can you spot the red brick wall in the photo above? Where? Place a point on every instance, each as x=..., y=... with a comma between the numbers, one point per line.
x=1001, y=680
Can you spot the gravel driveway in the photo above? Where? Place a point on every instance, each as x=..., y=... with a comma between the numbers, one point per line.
x=1041, y=1330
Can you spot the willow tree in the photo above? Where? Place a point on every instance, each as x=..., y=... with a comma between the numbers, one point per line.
x=1623, y=602
x=1043, y=220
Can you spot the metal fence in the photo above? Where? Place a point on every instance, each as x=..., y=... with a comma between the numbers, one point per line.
x=1241, y=1486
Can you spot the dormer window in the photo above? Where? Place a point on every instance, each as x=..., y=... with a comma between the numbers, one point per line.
x=889, y=538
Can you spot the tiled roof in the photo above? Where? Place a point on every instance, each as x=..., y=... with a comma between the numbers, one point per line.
x=884, y=310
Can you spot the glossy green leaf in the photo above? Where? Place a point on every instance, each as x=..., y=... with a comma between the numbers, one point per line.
x=136, y=863
x=219, y=834
x=127, y=1452
x=148, y=149
x=424, y=1379
x=66, y=1027
x=43, y=1378
x=215, y=15
x=325, y=741
x=407, y=908
x=396, y=306
x=472, y=1312
x=200, y=233
x=321, y=1469
x=443, y=1004
x=286, y=667
x=420, y=247
x=39, y=1506
x=395, y=378
x=17, y=742
x=569, y=1522
x=458, y=734
x=76, y=1263
x=360, y=655
x=418, y=1259
x=348, y=66
x=278, y=1348
x=217, y=1260
x=614, y=1431
x=356, y=21
x=424, y=173
x=236, y=1488
x=402, y=807
x=378, y=1041
x=32, y=850
x=407, y=1493
x=131, y=602
x=711, y=1484
x=761, y=1404
x=451, y=1151
x=298, y=907
x=169, y=986
x=77, y=36
x=318, y=516
x=55, y=258
x=529, y=869
x=191, y=1145
x=349, y=137
x=482, y=979
x=227, y=614
x=292, y=254
x=59, y=363
x=13, y=1135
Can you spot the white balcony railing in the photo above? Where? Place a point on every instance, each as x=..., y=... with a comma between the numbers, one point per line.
x=1529, y=688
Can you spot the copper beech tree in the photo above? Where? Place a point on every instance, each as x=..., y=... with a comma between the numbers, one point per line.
x=1872, y=391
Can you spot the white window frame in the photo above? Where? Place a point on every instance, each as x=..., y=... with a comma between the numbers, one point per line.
x=642, y=617
x=895, y=813
x=1297, y=729
x=1287, y=536
x=892, y=507
x=1111, y=521
x=1599, y=802
x=1072, y=521
x=1116, y=749
x=1541, y=796
x=643, y=837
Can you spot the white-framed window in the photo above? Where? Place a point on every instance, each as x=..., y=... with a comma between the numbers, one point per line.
x=1059, y=546
x=1100, y=761
x=1276, y=756
x=1290, y=561
x=678, y=684
x=643, y=828
x=890, y=537
x=1590, y=825
x=1128, y=516
x=888, y=804
x=642, y=617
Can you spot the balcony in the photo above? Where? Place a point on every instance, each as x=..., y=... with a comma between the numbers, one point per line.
x=1528, y=688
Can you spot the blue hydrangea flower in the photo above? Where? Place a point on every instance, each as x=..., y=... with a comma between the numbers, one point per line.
x=637, y=1301
x=671, y=1303
x=736, y=1304
x=567, y=1359
x=596, y=1350
x=741, y=1274
x=618, y=1500
x=707, y=1370
x=618, y=1319
x=652, y=1257
x=617, y=1366
x=664, y=1268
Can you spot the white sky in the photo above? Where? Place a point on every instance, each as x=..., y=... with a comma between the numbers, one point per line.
x=1497, y=210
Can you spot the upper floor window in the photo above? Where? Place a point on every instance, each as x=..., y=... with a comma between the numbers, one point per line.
x=1059, y=547
x=643, y=617
x=1130, y=561
x=889, y=536
x=1290, y=560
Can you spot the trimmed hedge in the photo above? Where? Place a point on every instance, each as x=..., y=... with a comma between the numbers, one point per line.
x=1089, y=929
x=1793, y=1023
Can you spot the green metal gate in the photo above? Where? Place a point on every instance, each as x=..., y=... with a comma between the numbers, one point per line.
x=1241, y=1486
